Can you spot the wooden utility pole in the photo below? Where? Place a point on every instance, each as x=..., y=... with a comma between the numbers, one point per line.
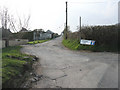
x=66, y=22
x=80, y=30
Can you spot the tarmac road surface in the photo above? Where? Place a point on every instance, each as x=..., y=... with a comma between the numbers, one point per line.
x=64, y=68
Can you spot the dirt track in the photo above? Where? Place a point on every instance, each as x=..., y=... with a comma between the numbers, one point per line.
x=63, y=68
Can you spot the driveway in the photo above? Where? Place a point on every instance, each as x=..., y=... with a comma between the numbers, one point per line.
x=64, y=68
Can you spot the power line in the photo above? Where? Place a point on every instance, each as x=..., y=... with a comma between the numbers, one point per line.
x=90, y=2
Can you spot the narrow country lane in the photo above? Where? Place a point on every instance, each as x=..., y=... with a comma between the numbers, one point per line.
x=64, y=68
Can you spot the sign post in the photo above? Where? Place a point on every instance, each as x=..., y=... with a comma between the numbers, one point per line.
x=80, y=29
x=87, y=42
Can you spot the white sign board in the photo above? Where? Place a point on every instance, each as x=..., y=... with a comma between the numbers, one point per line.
x=87, y=42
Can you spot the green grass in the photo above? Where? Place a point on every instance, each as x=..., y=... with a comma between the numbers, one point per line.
x=72, y=44
x=13, y=67
x=37, y=41
x=75, y=45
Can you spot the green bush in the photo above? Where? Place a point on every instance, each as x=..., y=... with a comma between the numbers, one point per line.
x=72, y=44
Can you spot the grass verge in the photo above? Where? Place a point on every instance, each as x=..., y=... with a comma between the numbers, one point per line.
x=75, y=45
x=37, y=41
x=14, y=66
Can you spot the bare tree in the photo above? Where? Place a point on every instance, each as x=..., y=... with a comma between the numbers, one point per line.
x=24, y=22
x=12, y=24
x=8, y=21
x=4, y=18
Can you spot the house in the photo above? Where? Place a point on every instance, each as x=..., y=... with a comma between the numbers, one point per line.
x=23, y=30
x=8, y=39
x=50, y=32
x=6, y=33
x=41, y=35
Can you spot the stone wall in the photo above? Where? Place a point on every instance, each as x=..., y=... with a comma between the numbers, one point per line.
x=14, y=42
x=2, y=43
x=17, y=42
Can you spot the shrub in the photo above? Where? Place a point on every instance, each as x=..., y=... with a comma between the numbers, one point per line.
x=105, y=36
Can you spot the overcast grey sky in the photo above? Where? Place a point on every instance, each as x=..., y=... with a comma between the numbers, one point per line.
x=50, y=14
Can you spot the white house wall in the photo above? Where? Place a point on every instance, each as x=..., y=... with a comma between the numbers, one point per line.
x=45, y=36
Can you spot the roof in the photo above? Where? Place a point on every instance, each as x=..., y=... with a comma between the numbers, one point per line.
x=23, y=30
x=48, y=31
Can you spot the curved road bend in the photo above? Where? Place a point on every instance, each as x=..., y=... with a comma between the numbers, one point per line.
x=64, y=68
